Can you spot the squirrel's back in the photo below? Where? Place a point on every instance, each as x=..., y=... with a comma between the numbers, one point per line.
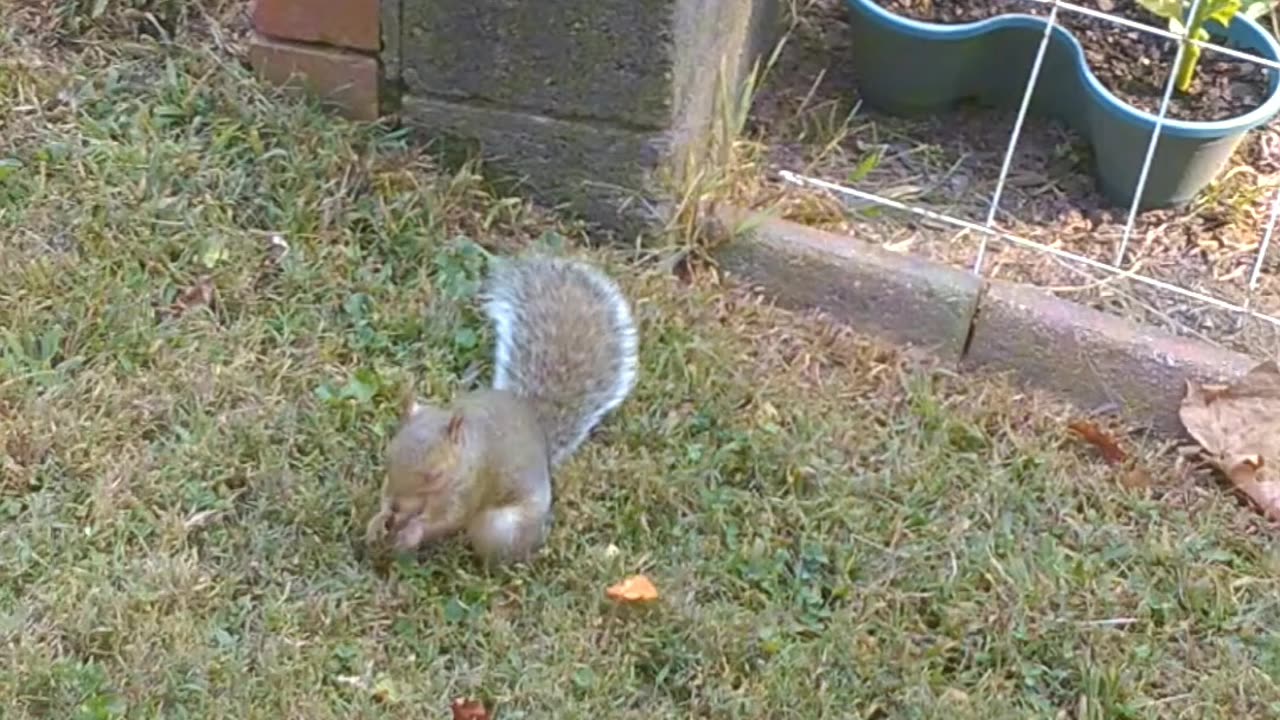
x=566, y=341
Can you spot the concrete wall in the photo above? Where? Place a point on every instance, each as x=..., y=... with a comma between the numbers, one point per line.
x=582, y=101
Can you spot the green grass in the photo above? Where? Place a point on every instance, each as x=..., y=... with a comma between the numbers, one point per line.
x=837, y=531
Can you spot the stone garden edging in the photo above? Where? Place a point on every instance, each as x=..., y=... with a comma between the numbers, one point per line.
x=1087, y=357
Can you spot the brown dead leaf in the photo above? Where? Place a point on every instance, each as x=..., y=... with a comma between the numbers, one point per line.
x=1239, y=428
x=464, y=709
x=1246, y=475
x=636, y=588
x=202, y=293
x=1100, y=439
x=1136, y=479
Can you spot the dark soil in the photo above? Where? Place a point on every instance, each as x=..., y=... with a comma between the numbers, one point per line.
x=1133, y=65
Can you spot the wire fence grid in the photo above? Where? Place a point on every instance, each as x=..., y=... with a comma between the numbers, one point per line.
x=988, y=230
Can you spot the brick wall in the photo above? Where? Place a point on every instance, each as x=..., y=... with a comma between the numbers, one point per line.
x=328, y=47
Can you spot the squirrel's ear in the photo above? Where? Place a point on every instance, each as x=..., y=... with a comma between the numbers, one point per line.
x=453, y=430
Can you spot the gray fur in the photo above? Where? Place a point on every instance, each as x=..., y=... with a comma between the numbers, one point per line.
x=566, y=342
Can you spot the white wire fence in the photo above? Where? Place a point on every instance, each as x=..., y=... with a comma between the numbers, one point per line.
x=988, y=230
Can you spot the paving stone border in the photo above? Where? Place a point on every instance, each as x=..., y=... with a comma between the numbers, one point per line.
x=1090, y=358
x=900, y=298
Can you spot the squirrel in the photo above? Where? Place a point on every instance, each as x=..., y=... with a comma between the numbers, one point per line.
x=565, y=356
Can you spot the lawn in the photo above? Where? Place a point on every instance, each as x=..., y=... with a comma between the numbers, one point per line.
x=191, y=424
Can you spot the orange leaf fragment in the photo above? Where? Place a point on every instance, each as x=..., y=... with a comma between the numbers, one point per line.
x=1095, y=436
x=464, y=709
x=636, y=588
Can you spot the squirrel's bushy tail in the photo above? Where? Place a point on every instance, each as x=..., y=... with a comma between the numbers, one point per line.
x=566, y=342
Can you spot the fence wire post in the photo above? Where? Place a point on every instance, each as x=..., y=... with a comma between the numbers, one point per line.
x=1262, y=249
x=1155, y=135
x=1017, y=132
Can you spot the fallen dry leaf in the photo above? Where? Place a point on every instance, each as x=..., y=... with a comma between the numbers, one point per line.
x=1136, y=479
x=1266, y=493
x=464, y=709
x=1095, y=436
x=636, y=588
x=1239, y=428
x=202, y=293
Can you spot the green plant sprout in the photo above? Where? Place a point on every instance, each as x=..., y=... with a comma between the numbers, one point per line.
x=1223, y=11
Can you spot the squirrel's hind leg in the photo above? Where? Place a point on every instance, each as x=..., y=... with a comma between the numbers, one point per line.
x=508, y=534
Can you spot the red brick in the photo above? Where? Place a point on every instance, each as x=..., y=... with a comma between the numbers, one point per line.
x=346, y=80
x=342, y=23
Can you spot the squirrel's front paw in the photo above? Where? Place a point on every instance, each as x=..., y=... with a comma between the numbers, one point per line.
x=411, y=534
x=378, y=528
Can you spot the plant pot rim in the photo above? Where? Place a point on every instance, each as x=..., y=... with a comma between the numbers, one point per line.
x=1192, y=129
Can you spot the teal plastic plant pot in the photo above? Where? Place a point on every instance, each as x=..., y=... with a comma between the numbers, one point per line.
x=908, y=67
